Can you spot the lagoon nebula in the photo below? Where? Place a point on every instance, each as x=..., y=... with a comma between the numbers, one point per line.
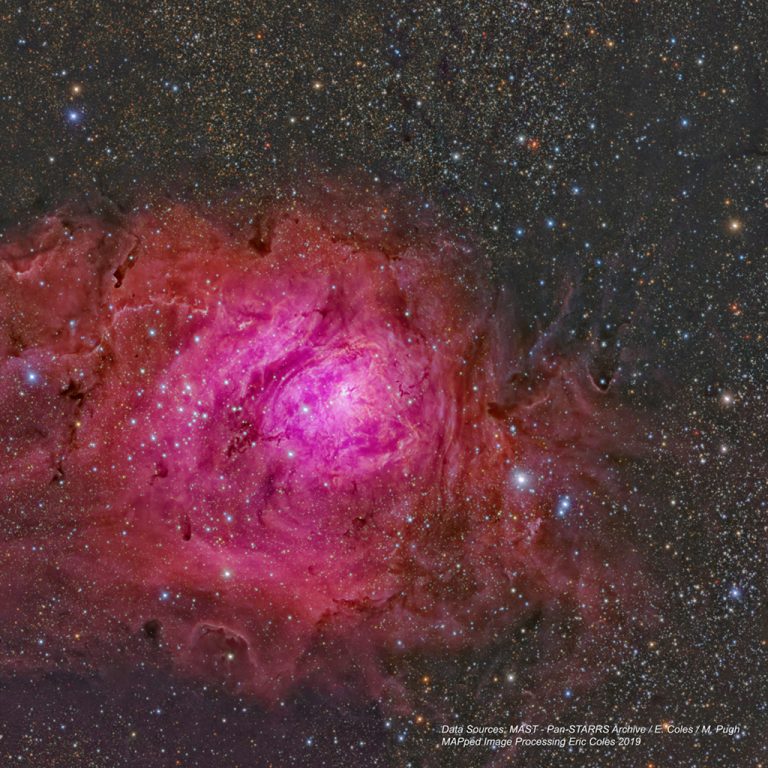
x=375, y=376
x=296, y=453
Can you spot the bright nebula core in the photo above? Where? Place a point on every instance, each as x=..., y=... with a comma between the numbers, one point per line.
x=290, y=452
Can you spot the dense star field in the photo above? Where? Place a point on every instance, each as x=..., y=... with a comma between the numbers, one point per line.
x=369, y=370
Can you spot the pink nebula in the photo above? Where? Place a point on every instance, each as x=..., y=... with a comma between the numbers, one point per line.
x=286, y=456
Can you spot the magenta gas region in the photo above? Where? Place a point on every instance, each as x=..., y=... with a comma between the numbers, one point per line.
x=290, y=454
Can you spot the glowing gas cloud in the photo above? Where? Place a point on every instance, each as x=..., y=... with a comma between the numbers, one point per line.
x=290, y=450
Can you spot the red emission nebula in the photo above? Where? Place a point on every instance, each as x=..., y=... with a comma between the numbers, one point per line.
x=288, y=453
